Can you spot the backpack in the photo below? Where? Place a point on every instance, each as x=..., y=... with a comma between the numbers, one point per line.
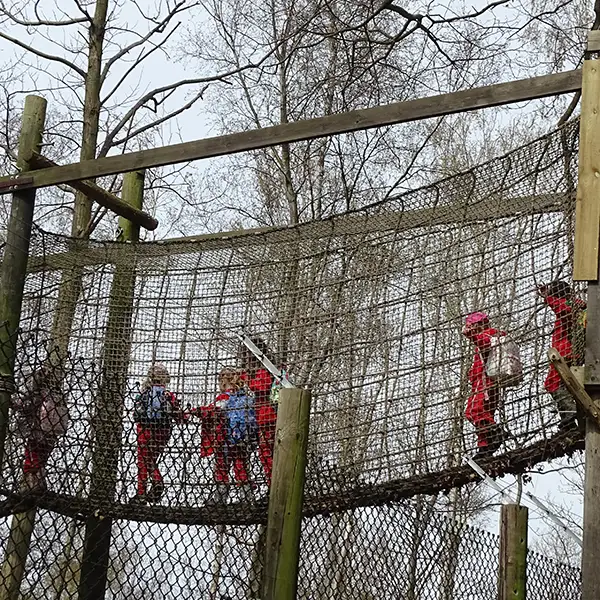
x=40, y=412
x=54, y=416
x=577, y=335
x=241, y=419
x=153, y=406
x=503, y=365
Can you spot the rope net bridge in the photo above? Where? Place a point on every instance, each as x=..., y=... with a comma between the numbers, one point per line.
x=366, y=309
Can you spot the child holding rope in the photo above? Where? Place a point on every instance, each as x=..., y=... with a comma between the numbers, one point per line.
x=485, y=394
x=42, y=419
x=229, y=431
x=568, y=338
x=259, y=382
x=155, y=411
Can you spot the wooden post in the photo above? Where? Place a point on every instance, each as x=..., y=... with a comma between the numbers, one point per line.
x=587, y=218
x=286, y=496
x=12, y=284
x=512, y=571
x=587, y=230
x=110, y=405
x=16, y=253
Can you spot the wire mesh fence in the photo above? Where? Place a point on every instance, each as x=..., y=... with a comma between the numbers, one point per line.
x=404, y=550
x=141, y=418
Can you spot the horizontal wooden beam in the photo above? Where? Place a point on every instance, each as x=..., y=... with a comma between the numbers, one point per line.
x=347, y=225
x=399, y=112
x=102, y=197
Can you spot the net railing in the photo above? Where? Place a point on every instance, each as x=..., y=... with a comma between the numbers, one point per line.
x=366, y=309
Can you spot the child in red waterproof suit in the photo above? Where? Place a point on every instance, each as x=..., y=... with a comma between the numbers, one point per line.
x=156, y=409
x=42, y=418
x=559, y=297
x=259, y=381
x=483, y=401
x=215, y=439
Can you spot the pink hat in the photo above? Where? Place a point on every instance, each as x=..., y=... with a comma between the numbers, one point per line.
x=476, y=317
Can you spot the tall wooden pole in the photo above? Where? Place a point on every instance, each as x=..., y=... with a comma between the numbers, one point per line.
x=110, y=405
x=512, y=571
x=280, y=574
x=16, y=253
x=587, y=230
x=12, y=284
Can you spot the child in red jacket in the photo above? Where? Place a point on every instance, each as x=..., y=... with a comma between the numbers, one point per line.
x=559, y=297
x=259, y=381
x=155, y=411
x=483, y=401
x=42, y=418
x=217, y=439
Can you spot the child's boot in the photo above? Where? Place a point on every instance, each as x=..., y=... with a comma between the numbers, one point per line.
x=156, y=491
x=566, y=409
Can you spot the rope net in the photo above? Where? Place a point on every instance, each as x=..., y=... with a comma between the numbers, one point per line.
x=366, y=309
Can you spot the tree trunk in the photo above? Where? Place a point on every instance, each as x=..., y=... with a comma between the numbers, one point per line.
x=91, y=113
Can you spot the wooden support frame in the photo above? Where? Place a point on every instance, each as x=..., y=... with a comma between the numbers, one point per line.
x=512, y=572
x=587, y=231
x=583, y=400
x=102, y=197
x=356, y=120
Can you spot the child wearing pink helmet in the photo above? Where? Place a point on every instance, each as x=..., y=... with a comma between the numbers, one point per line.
x=484, y=397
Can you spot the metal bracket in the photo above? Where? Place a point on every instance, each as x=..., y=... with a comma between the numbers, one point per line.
x=593, y=41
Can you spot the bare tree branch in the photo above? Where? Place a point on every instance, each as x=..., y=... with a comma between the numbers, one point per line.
x=136, y=63
x=163, y=119
x=109, y=141
x=159, y=28
x=41, y=54
x=40, y=21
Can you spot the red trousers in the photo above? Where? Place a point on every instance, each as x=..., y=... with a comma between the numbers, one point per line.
x=151, y=442
x=232, y=455
x=37, y=453
x=481, y=408
x=266, y=418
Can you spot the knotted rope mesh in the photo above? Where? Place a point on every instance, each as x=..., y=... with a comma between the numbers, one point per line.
x=366, y=309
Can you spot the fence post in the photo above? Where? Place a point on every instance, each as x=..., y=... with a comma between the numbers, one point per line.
x=512, y=570
x=110, y=404
x=12, y=284
x=282, y=553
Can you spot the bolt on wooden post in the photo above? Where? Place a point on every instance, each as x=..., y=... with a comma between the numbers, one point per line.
x=512, y=571
x=280, y=575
